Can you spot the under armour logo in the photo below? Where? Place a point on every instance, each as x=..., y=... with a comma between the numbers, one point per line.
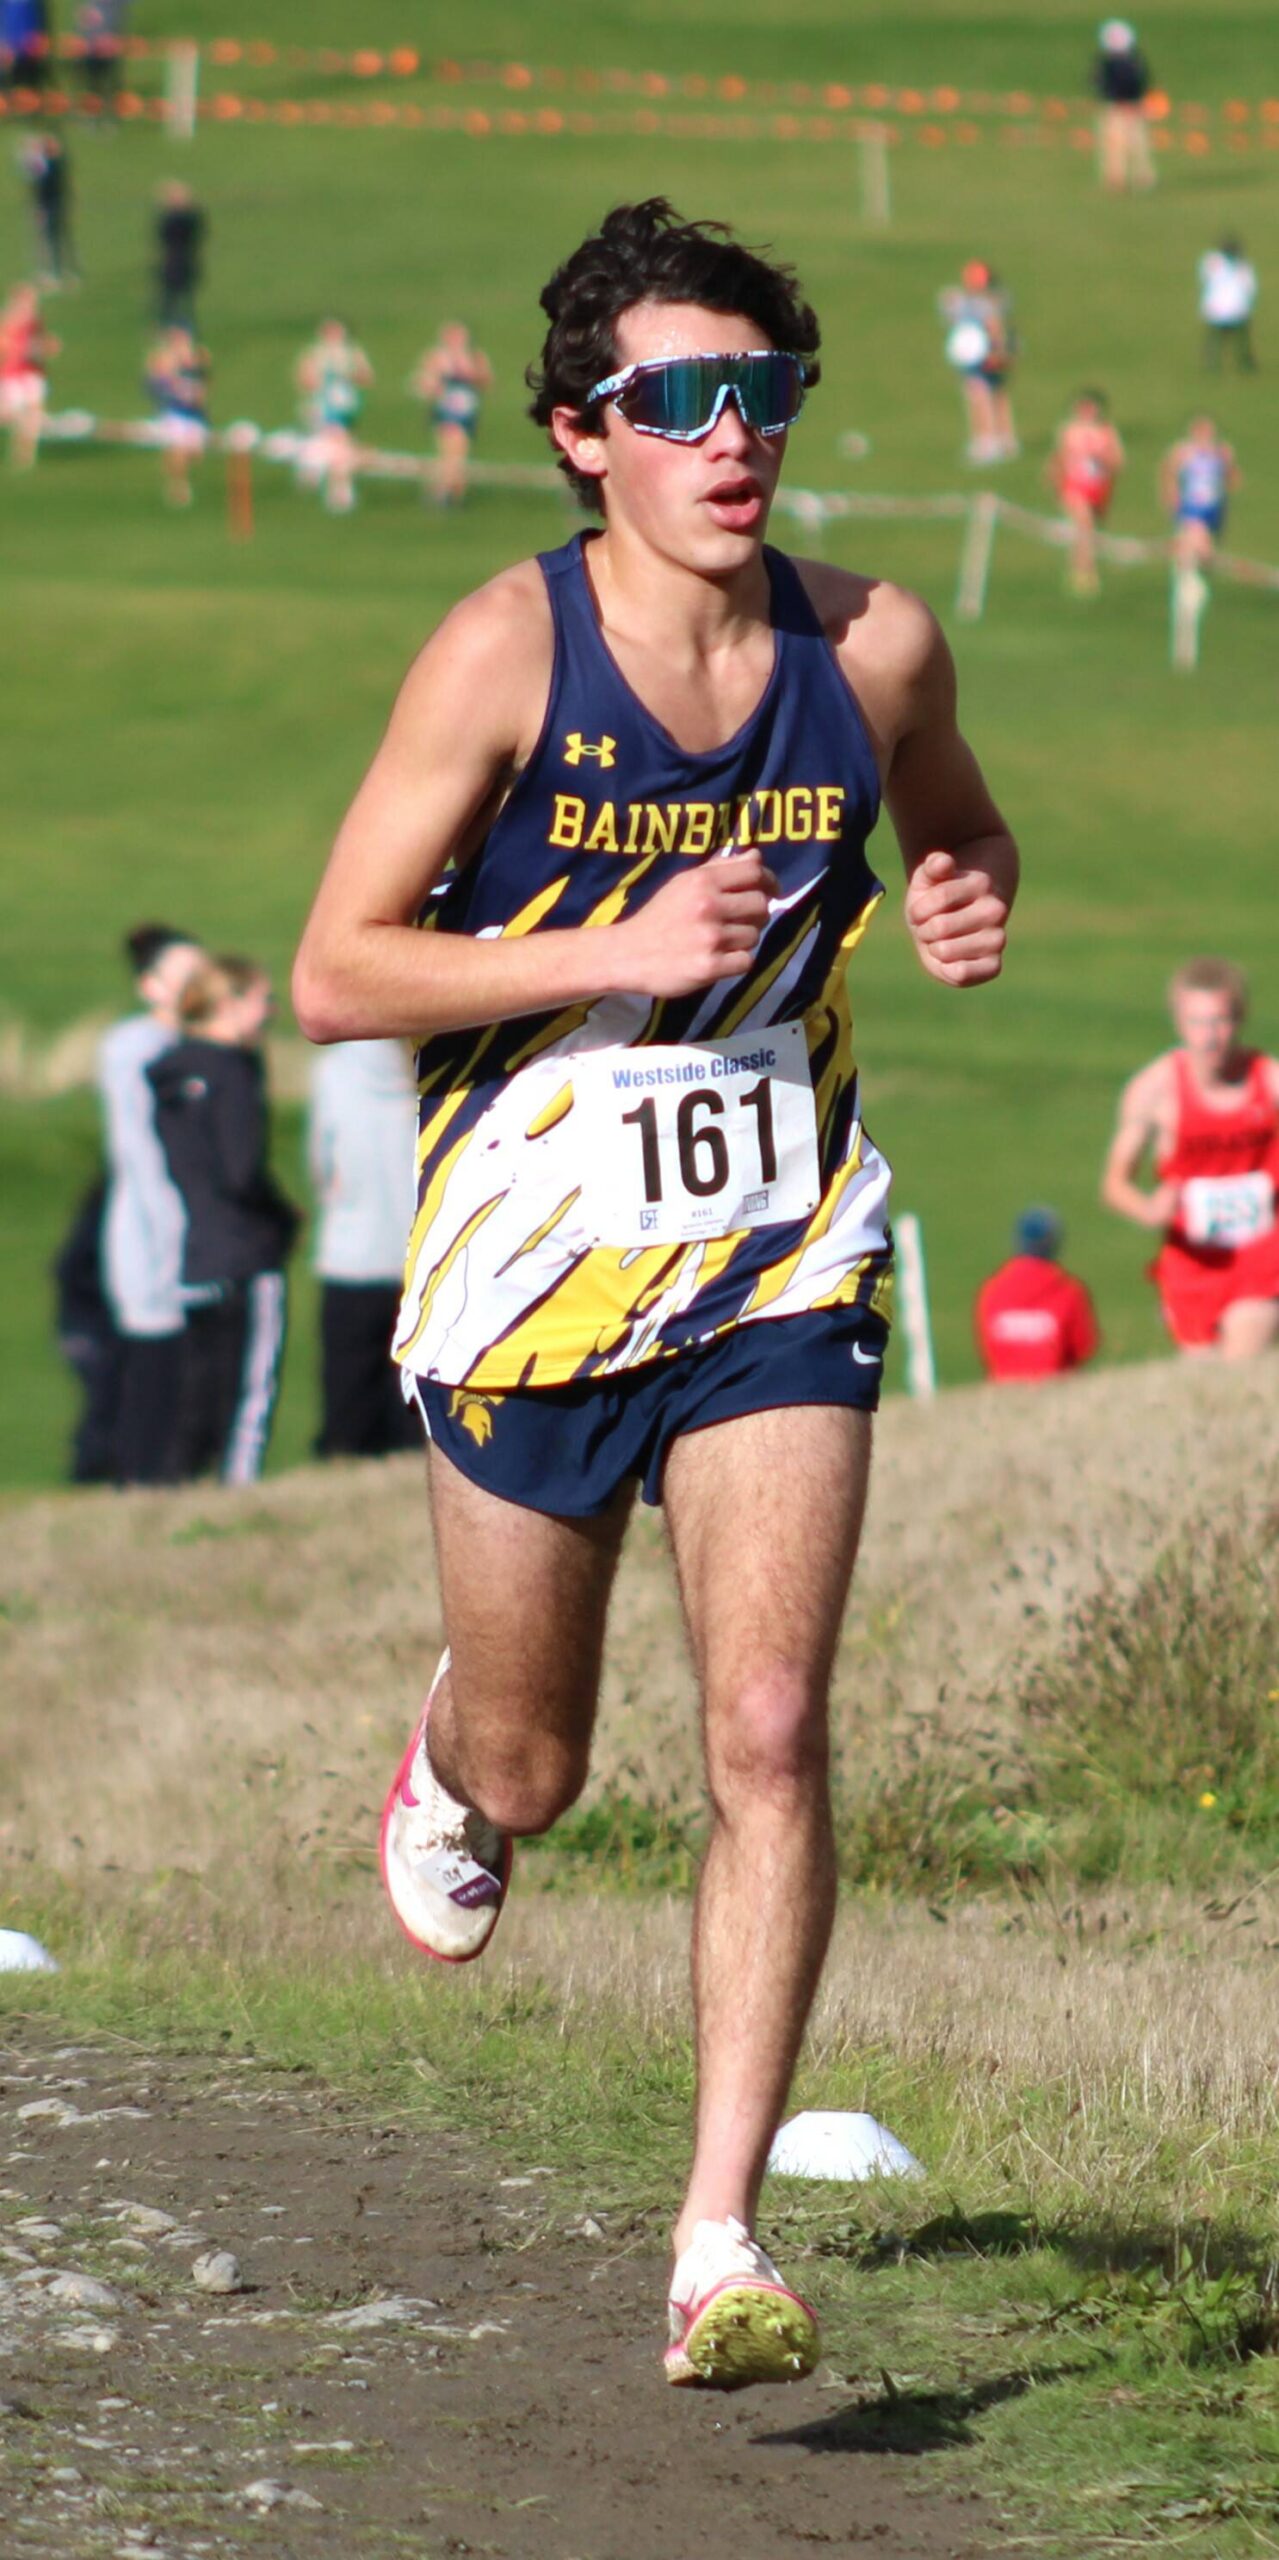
x=575, y=747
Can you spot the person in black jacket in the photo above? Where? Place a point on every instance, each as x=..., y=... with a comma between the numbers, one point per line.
x=87, y=1338
x=211, y=1114
x=1122, y=84
x=180, y=233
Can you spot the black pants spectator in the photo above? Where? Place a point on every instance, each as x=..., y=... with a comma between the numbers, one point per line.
x=98, y=1362
x=230, y=1378
x=363, y=1412
x=175, y=302
x=146, y=1422
x=1229, y=337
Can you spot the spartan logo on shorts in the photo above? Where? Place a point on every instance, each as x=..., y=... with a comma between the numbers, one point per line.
x=576, y=747
x=474, y=1412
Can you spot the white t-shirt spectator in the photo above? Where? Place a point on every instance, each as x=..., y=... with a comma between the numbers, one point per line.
x=1227, y=289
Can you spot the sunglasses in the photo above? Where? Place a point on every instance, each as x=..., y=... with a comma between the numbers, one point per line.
x=680, y=397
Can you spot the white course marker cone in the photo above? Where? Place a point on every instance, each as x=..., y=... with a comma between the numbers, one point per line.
x=824, y=2143
x=21, y=1954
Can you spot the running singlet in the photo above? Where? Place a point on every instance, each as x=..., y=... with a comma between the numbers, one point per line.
x=621, y=1180
x=339, y=396
x=457, y=402
x=1225, y=1164
x=1225, y=1243
x=1201, y=482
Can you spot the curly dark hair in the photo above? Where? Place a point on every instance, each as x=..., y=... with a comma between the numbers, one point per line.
x=648, y=253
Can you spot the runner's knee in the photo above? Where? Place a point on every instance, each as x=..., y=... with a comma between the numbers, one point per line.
x=526, y=1784
x=767, y=1737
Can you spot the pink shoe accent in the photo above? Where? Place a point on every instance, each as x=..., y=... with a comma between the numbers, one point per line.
x=401, y=1793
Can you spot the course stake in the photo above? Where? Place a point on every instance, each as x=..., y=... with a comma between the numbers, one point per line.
x=974, y=564
x=1190, y=593
x=182, y=89
x=877, y=192
x=921, y=1370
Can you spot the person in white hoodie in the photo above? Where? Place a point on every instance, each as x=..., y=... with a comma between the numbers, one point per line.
x=144, y=1221
x=360, y=1145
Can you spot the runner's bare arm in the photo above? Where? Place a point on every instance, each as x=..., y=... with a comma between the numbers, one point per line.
x=962, y=865
x=1141, y=1110
x=467, y=719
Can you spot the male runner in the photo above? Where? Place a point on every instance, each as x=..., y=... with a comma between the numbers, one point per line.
x=1086, y=461
x=334, y=373
x=452, y=377
x=1198, y=476
x=650, y=1239
x=1208, y=1112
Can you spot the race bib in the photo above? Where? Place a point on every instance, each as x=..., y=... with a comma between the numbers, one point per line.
x=1233, y=1209
x=699, y=1140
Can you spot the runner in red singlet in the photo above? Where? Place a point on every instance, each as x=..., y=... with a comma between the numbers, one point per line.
x=1085, y=463
x=1208, y=1111
x=26, y=348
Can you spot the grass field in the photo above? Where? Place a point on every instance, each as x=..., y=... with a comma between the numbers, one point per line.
x=187, y=718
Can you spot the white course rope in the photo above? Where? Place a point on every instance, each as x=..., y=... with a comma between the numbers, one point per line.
x=982, y=511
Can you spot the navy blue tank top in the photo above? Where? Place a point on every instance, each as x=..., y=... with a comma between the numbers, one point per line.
x=506, y=1284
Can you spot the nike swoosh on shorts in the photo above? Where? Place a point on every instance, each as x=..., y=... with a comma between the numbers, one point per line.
x=866, y=1359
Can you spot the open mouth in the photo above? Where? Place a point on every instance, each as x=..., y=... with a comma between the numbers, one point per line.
x=736, y=504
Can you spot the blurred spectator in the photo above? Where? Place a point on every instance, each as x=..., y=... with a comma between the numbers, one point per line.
x=143, y=1225
x=87, y=1338
x=1122, y=82
x=1087, y=459
x=24, y=43
x=47, y=170
x=100, y=27
x=452, y=377
x=211, y=1114
x=26, y=350
x=981, y=344
x=1032, y=1319
x=360, y=1144
x=180, y=232
x=177, y=384
x=332, y=374
x=1227, y=295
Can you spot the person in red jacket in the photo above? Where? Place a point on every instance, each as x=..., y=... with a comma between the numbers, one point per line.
x=1207, y=1114
x=1033, y=1319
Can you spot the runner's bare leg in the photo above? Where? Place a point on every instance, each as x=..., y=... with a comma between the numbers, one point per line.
x=1248, y=1327
x=765, y=1514
x=525, y=1597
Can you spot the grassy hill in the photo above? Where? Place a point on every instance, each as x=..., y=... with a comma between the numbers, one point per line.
x=187, y=717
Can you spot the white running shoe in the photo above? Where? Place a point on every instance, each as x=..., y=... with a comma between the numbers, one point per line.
x=734, y=2319
x=445, y=1868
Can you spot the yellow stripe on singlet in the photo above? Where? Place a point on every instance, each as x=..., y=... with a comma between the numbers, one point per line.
x=541, y=1233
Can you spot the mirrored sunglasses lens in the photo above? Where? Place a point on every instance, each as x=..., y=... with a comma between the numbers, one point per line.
x=680, y=398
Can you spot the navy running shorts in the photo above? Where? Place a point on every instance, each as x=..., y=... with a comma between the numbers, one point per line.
x=566, y=1450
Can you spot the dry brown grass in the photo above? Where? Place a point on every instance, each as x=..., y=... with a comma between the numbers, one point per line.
x=277, y=1640
x=218, y=1683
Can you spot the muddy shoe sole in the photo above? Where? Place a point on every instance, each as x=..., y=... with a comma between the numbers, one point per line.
x=746, y=2333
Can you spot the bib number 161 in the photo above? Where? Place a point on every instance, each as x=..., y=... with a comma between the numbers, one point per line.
x=701, y=1143
x=701, y=1140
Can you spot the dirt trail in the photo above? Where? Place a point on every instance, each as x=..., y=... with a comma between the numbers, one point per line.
x=513, y=2406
